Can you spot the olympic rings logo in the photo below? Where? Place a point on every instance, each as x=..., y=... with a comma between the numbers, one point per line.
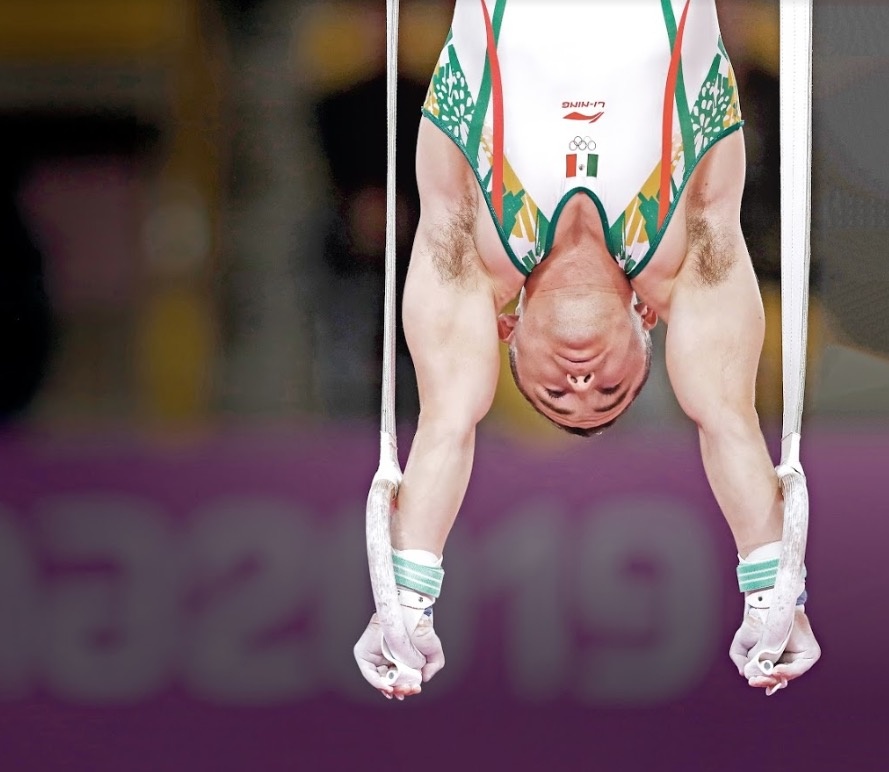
x=581, y=143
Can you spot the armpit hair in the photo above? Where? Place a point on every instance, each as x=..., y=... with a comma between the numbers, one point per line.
x=710, y=250
x=453, y=245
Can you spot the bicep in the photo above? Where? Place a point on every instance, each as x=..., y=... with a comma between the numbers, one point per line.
x=714, y=341
x=450, y=324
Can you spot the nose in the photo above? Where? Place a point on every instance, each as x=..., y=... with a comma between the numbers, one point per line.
x=580, y=382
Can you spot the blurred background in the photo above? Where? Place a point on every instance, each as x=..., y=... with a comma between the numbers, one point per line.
x=192, y=216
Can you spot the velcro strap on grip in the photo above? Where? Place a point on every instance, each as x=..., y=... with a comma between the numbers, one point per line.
x=414, y=576
x=759, y=576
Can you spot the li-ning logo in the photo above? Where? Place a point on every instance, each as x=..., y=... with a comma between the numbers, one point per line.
x=589, y=117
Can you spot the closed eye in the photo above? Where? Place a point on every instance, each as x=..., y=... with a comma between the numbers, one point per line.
x=607, y=390
x=555, y=393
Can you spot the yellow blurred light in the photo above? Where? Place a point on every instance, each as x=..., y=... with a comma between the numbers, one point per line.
x=175, y=354
x=60, y=29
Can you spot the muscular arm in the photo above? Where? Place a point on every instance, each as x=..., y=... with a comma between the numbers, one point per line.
x=449, y=315
x=714, y=340
x=713, y=345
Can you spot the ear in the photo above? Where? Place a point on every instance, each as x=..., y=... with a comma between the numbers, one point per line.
x=649, y=317
x=506, y=326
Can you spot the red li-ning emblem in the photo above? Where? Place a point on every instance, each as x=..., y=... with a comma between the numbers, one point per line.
x=591, y=112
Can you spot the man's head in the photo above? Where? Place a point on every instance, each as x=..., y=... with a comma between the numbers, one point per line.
x=580, y=357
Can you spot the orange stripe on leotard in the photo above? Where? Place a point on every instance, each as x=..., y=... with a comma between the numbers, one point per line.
x=667, y=139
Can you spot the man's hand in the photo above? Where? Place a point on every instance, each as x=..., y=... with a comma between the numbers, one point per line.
x=802, y=651
x=374, y=666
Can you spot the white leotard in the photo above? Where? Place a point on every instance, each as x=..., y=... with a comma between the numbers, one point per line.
x=550, y=98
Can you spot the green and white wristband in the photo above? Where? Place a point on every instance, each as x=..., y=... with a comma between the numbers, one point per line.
x=425, y=579
x=418, y=576
x=758, y=573
x=757, y=576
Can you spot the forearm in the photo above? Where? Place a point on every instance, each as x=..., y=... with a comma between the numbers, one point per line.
x=743, y=480
x=435, y=480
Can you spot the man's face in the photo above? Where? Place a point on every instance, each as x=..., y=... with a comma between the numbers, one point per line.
x=585, y=378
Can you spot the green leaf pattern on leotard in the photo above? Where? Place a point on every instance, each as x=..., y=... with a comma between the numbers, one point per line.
x=453, y=107
x=529, y=260
x=716, y=109
x=449, y=98
x=714, y=102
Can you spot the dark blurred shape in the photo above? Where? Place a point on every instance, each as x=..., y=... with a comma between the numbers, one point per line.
x=352, y=128
x=38, y=135
x=760, y=209
x=25, y=316
x=239, y=16
x=352, y=131
x=28, y=328
x=850, y=219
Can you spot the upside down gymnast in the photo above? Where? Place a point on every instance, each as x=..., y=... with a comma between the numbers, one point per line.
x=600, y=185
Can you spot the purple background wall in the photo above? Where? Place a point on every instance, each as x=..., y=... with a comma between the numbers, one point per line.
x=192, y=605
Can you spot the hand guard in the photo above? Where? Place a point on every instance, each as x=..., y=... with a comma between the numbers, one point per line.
x=418, y=575
x=802, y=651
x=756, y=577
x=376, y=667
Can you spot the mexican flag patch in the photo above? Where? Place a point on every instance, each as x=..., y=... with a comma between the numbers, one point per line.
x=586, y=165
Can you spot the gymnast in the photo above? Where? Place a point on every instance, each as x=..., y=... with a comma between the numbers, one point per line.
x=599, y=186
